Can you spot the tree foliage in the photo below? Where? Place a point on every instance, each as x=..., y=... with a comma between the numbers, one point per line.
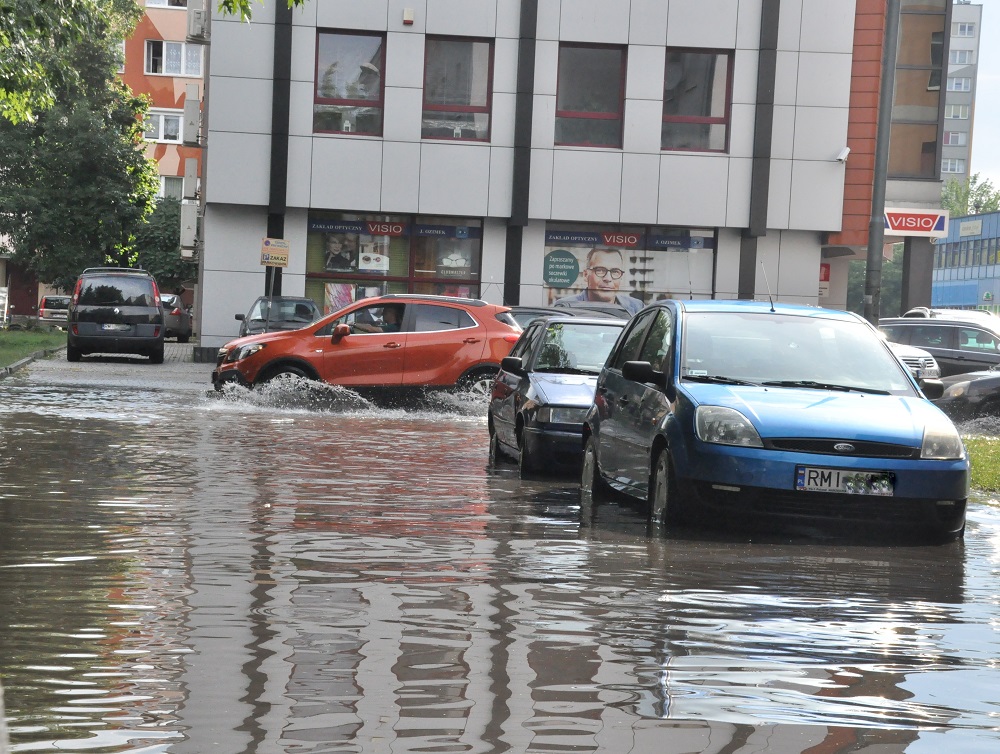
x=158, y=245
x=75, y=183
x=891, y=293
x=34, y=38
x=969, y=197
x=243, y=10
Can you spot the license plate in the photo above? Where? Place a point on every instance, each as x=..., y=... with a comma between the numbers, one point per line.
x=844, y=481
x=116, y=328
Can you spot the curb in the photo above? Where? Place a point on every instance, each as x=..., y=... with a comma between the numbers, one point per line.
x=6, y=371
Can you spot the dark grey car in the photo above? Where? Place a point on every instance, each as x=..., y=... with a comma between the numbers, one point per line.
x=270, y=313
x=115, y=310
x=176, y=318
x=959, y=345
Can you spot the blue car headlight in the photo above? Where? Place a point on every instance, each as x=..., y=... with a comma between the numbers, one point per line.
x=725, y=426
x=941, y=441
x=241, y=352
x=560, y=415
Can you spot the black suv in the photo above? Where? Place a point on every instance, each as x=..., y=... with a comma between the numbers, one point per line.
x=115, y=310
x=960, y=343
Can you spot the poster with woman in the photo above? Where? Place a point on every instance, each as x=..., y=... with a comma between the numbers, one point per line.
x=341, y=252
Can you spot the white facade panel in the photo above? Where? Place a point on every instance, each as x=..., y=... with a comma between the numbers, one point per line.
x=727, y=264
x=546, y=67
x=394, y=20
x=786, y=78
x=828, y=26
x=298, y=193
x=508, y=19
x=231, y=40
x=820, y=133
x=640, y=188
x=789, y=24
x=745, y=77
x=502, y=120
x=798, y=267
x=741, y=130
x=492, y=270
x=693, y=190
x=454, y=179
x=604, y=21
x=779, y=194
x=505, y=66
x=400, y=177
x=501, y=181
x=347, y=173
x=303, y=53
x=748, y=25
x=644, y=79
x=783, y=132
x=586, y=185
x=642, y=126
x=824, y=80
x=462, y=18
x=232, y=109
x=738, y=196
x=702, y=23
x=350, y=14
x=817, y=196
x=543, y=121
x=540, y=193
x=402, y=115
x=547, y=26
x=647, y=22
x=301, y=95
x=532, y=293
x=242, y=165
x=404, y=60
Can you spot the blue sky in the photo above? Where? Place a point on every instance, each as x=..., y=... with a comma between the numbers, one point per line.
x=986, y=127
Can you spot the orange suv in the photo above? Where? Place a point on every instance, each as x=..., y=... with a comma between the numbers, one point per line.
x=389, y=342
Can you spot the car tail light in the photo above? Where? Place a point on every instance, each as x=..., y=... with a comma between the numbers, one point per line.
x=156, y=331
x=176, y=312
x=76, y=330
x=76, y=294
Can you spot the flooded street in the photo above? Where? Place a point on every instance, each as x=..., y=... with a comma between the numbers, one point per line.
x=274, y=574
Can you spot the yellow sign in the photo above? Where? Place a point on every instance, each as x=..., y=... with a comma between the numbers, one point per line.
x=274, y=252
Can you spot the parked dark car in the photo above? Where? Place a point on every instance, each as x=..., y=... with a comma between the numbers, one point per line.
x=544, y=388
x=271, y=313
x=176, y=318
x=742, y=411
x=971, y=395
x=385, y=345
x=592, y=308
x=524, y=315
x=115, y=310
x=53, y=311
x=960, y=343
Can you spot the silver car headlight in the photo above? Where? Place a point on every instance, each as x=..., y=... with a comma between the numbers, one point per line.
x=941, y=441
x=725, y=426
x=241, y=352
x=957, y=390
x=560, y=415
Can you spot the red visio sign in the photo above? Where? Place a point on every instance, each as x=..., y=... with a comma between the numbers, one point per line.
x=384, y=229
x=628, y=240
x=916, y=222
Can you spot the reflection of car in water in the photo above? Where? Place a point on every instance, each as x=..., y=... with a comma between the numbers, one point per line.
x=722, y=410
x=270, y=313
x=544, y=388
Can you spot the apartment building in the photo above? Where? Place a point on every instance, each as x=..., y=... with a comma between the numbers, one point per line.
x=960, y=94
x=486, y=148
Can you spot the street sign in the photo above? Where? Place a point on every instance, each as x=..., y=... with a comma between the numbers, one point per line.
x=274, y=252
x=928, y=223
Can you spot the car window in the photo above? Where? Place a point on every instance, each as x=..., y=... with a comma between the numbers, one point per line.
x=55, y=302
x=575, y=345
x=657, y=344
x=895, y=333
x=430, y=318
x=628, y=347
x=974, y=339
x=375, y=319
x=929, y=336
x=117, y=290
x=525, y=342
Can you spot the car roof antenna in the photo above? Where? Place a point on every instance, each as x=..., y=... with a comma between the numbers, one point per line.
x=768, y=285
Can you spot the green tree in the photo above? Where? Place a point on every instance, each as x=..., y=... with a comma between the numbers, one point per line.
x=34, y=38
x=242, y=7
x=75, y=184
x=969, y=197
x=891, y=295
x=158, y=245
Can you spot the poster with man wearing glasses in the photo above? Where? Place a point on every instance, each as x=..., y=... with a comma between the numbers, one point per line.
x=592, y=264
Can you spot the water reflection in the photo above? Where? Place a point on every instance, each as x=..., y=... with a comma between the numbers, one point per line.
x=314, y=577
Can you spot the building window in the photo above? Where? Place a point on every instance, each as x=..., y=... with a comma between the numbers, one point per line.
x=956, y=112
x=952, y=165
x=955, y=138
x=164, y=126
x=960, y=57
x=696, y=100
x=963, y=30
x=166, y=3
x=959, y=84
x=590, y=97
x=458, y=76
x=171, y=186
x=172, y=58
x=349, y=84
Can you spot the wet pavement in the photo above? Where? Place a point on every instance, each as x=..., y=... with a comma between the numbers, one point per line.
x=305, y=572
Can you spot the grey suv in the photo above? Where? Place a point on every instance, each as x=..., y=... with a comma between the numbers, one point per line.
x=115, y=310
x=959, y=345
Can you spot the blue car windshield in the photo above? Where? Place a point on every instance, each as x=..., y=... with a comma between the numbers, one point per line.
x=575, y=347
x=785, y=350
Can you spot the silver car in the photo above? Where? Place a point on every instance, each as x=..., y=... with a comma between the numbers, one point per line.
x=176, y=318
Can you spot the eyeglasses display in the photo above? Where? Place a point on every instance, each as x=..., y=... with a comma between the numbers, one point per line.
x=603, y=272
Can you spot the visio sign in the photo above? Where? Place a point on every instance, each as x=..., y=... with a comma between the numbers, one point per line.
x=930, y=223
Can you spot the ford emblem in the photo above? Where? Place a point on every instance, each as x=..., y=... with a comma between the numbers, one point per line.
x=844, y=447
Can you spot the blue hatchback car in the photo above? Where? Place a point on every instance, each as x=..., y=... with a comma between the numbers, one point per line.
x=742, y=410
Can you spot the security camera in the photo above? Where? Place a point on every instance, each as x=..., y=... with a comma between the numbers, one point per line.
x=842, y=155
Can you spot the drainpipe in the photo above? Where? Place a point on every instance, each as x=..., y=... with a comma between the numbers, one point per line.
x=280, y=103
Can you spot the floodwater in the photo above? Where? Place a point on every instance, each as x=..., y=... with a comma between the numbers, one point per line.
x=290, y=574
